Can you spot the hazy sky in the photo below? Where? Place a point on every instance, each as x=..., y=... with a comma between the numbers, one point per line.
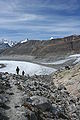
x=39, y=19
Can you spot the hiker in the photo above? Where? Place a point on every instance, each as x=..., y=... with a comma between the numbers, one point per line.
x=67, y=67
x=23, y=72
x=17, y=70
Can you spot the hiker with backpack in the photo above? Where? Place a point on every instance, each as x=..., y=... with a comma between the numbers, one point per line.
x=17, y=70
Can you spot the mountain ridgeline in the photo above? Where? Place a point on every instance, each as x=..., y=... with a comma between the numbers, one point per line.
x=46, y=47
x=3, y=46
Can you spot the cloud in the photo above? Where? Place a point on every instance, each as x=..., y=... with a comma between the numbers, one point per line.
x=56, y=5
x=69, y=5
x=19, y=18
x=38, y=19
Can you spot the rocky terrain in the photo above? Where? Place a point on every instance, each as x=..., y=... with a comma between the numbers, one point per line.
x=46, y=48
x=3, y=47
x=5, y=44
x=70, y=79
x=42, y=97
x=38, y=51
x=2, y=66
x=36, y=98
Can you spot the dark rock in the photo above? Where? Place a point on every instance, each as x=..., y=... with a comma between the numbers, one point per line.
x=61, y=87
x=67, y=67
x=17, y=106
x=33, y=116
x=63, y=115
x=2, y=117
x=4, y=106
x=41, y=103
x=35, y=83
x=10, y=93
x=2, y=91
x=59, y=112
x=0, y=76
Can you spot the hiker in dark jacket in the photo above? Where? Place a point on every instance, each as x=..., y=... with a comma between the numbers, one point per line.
x=17, y=70
x=23, y=72
x=67, y=67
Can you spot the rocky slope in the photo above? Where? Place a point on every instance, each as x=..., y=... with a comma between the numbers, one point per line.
x=36, y=98
x=46, y=48
x=3, y=46
x=70, y=79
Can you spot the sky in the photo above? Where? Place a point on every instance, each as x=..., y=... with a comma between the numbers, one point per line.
x=38, y=19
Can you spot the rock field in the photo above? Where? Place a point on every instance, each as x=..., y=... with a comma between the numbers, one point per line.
x=36, y=98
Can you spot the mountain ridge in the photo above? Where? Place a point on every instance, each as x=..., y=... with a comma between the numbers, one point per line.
x=46, y=47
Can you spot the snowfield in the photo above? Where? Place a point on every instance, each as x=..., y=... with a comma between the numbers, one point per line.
x=29, y=68
x=24, y=41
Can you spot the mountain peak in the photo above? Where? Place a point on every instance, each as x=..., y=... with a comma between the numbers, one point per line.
x=23, y=41
x=9, y=42
x=51, y=38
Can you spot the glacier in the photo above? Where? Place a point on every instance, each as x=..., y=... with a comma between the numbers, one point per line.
x=29, y=68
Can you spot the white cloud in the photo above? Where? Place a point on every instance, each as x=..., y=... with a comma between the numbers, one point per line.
x=38, y=16
x=68, y=5
x=20, y=18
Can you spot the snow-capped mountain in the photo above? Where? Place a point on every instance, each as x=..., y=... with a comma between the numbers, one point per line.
x=51, y=38
x=23, y=41
x=9, y=42
x=59, y=46
x=5, y=44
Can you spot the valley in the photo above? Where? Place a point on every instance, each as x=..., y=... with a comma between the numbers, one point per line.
x=50, y=88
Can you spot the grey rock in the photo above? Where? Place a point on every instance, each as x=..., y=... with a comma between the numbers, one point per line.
x=41, y=103
x=3, y=117
x=4, y=106
x=33, y=116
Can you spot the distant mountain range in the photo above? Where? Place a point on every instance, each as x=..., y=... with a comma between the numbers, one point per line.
x=5, y=44
x=45, y=47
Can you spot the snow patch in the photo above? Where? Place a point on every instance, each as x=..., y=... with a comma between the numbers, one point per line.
x=51, y=38
x=10, y=43
x=24, y=41
x=75, y=55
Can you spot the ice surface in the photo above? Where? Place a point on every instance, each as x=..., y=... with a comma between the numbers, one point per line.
x=77, y=61
x=29, y=68
x=75, y=55
x=58, y=62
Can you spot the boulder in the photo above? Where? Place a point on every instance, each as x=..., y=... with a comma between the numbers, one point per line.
x=33, y=116
x=4, y=106
x=2, y=117
x=41, y=103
